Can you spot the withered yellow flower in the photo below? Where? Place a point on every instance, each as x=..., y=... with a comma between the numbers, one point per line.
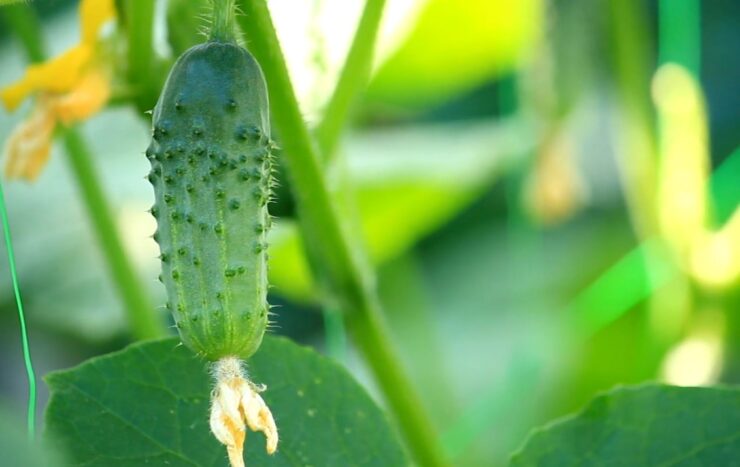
x=67, y=89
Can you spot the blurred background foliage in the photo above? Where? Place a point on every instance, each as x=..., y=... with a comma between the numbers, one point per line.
x=523, y=180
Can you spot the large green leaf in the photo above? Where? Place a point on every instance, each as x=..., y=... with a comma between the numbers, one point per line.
x=149, y=404
x=647, y=425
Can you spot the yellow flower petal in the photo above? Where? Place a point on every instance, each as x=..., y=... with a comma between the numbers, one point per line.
x=13, y=94
x=56, y=75
x=93, y=14
x=28, y=147
x=85, y=99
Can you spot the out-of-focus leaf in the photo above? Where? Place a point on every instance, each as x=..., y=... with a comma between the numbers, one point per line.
x=645, y=425
x=149, y=404
x=454, y=47
x=408, y=183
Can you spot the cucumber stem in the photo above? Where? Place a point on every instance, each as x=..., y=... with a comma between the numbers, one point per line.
x=139, y=311
x=222, y=22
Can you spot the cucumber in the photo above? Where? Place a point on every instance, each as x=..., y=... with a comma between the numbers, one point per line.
x=211, y=171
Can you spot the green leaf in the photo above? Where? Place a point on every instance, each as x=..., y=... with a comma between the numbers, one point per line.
x=646, y=425
x=149, y=404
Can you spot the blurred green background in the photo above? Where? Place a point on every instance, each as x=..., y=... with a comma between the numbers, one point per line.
x=523, y=263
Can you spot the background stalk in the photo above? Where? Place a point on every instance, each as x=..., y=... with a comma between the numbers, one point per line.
x=352, y=80
x=142, y=76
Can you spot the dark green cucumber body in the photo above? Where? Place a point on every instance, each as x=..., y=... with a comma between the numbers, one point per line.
x=210, y=156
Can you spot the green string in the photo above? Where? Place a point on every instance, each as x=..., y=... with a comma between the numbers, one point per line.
x=31, y=409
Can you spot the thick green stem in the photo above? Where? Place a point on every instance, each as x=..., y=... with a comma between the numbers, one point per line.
x=139, y=311
x=352, y=80
x=139, y=16
x=336, y=262
x=222, y=23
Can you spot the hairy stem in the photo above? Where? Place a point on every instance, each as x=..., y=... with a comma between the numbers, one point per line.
x=140, y=313
x=336, y=261
x=352, y=80
x=222, y=24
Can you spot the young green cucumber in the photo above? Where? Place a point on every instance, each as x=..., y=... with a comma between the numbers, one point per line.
x=211, y=172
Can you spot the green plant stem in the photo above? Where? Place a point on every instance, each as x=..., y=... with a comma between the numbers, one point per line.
x=352, y=80
x=222, y=24
x=337, y=263
x=22, y=20
x=139, y=15
x=139, y=311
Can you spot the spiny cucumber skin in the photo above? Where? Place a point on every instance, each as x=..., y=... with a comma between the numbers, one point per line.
x=211, y=173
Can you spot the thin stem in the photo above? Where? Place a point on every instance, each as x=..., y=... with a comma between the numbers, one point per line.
x=338, y=264
x=352, y=80
x=25, y=24
x=30, y=374
x=222, y=25
x=139, y=311
x=140, y=30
